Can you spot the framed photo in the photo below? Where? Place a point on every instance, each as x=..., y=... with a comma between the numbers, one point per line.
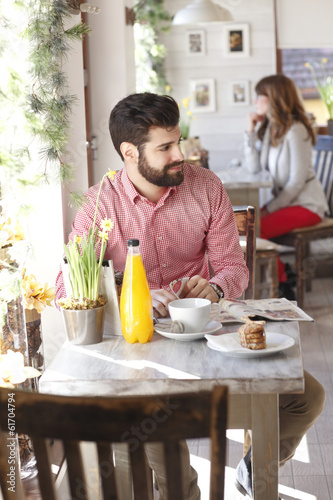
x=237, y=40
x=240, y=93
x=203, y=95
x=196, y=43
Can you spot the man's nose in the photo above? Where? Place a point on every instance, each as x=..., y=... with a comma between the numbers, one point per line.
x=178, y=154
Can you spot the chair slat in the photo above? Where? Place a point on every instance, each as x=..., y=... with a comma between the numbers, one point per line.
x=324, y=167
x=141, y=483
x=245, y=221
x=5, y=452
x=173, y=468
x=76, y=477
x=107, y=471
x=45, y=476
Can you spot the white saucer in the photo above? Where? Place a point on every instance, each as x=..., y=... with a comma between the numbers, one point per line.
x=163, y=328
x=229, y=344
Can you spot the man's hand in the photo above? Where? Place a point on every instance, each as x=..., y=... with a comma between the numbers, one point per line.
x=199, y=287
x=161, y=299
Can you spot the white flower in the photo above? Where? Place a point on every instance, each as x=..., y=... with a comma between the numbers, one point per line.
x=13, y=371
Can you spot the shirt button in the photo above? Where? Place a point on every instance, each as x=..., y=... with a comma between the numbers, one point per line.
x=163, y=265
x=160, y=237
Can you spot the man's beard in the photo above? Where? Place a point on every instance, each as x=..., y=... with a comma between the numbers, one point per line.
x=161, y=179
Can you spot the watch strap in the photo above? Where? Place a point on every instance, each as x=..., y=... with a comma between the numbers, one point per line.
x=217, y=289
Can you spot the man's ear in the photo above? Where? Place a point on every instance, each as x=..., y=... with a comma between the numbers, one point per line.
x=129, y=151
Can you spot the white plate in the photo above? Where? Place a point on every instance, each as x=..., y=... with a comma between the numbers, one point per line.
x=163, y=328
x=229, y=344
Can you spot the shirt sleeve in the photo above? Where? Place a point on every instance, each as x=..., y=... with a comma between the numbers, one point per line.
x=299, y=151
x=225, y=254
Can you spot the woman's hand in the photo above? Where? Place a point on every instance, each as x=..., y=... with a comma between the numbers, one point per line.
x=253, y=119
x=161, y=299
x=199, y=287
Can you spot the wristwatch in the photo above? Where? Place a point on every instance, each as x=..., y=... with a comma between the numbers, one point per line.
x=218, y=290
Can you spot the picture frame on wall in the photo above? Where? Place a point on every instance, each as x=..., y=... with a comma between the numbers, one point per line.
x=237, y=40
x=196, y=42
x=240, y=93
x=203, y=98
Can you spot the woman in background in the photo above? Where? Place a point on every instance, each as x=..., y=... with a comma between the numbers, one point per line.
x=280, y=139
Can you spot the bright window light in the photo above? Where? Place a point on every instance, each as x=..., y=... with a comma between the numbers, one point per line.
x=236, y=435
x=302, y=452
x=296, y=494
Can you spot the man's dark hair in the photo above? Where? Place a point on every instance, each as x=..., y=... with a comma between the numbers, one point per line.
x=131, y=119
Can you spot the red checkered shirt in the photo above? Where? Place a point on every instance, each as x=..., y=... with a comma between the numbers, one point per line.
x=191, y=224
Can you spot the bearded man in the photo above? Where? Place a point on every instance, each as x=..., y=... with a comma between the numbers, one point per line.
x=180, y=213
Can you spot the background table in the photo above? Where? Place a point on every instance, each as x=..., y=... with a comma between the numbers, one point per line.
x=243, y=187
x=164, y=366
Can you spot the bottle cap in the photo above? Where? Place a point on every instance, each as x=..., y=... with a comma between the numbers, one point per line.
x=133, y=243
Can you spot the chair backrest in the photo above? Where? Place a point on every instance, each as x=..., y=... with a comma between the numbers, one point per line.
x=106, y=421
x=324, y=166
x=245, y=220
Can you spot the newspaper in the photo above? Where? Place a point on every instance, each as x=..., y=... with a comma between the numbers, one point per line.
x=265, y=309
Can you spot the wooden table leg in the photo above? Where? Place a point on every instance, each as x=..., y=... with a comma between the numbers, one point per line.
x=265, y=446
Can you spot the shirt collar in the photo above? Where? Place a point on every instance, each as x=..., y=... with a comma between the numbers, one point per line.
x=133, y=194
x=128, y=186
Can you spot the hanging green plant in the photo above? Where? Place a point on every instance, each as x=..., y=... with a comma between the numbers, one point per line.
x=50, y=101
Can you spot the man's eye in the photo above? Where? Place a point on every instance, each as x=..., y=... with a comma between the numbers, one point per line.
x=165, y=148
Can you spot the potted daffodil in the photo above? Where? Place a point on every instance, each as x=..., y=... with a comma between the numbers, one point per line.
x=84, y=263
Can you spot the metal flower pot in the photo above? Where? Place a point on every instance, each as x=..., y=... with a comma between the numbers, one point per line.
x=84, y=326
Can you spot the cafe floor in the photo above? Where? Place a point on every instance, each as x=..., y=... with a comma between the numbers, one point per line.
x=309, y=475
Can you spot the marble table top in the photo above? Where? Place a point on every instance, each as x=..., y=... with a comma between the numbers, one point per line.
x=165, y=365
x=238, y=177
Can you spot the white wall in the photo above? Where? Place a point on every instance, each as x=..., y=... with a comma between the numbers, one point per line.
x=305, y=23
x=111, y=76
x=221, y=131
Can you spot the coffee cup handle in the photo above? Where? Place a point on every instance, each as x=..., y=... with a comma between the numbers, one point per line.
x=214, y=307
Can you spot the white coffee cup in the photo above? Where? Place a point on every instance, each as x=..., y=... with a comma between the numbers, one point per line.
x=194, y=314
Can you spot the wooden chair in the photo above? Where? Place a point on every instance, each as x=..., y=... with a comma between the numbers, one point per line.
x=266, y=282
x=106, y=421
x=260, y=256
x=245, y=220
x=301, y=238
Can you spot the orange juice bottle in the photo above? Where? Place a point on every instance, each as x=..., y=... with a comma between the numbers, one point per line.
x=136, y=308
